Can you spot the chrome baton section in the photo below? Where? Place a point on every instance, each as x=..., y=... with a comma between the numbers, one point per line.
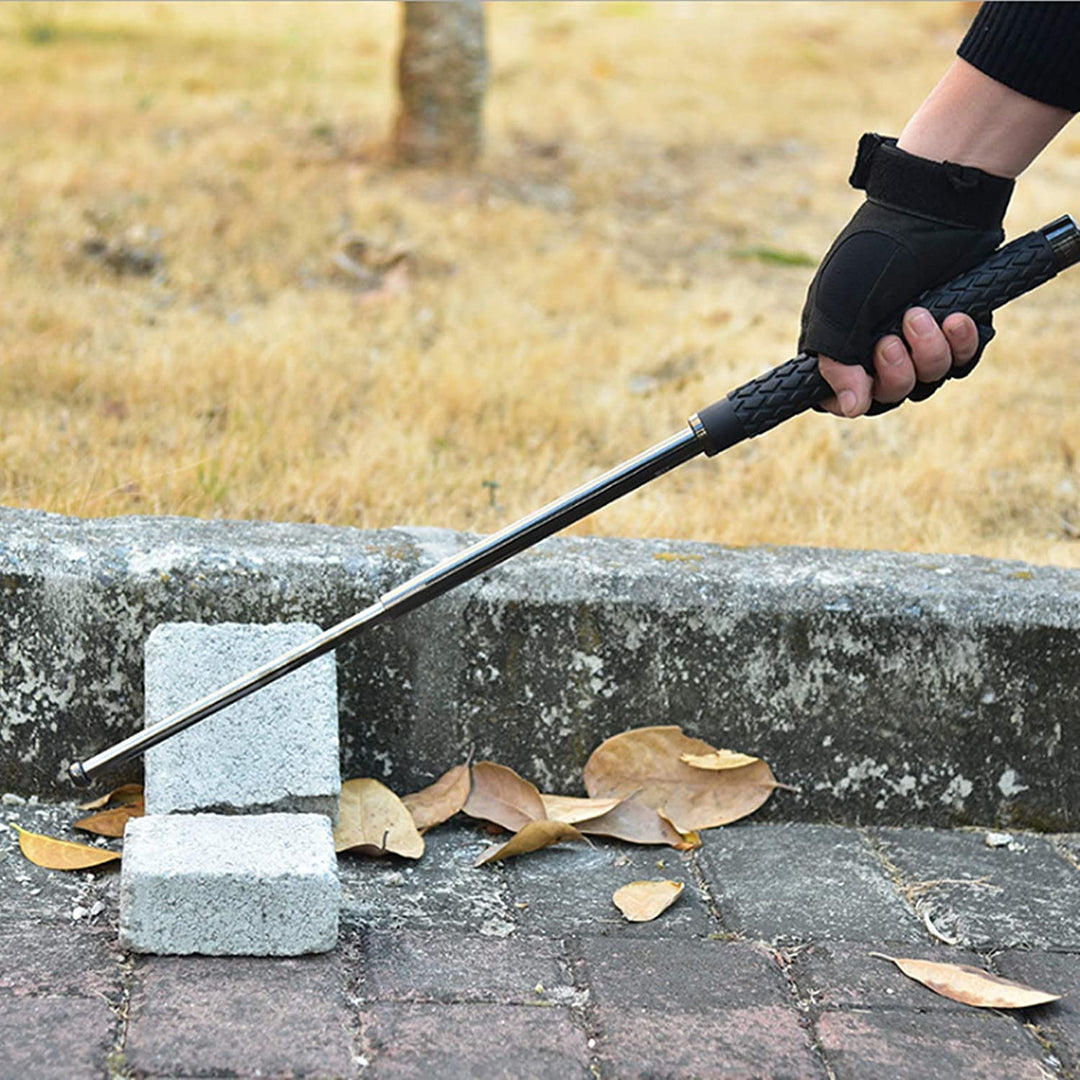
x=418, y=590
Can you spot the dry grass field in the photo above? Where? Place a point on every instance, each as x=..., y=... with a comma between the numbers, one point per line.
x=219, y=300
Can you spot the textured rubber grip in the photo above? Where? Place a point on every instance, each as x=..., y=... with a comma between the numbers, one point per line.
x=1014, y=269
x=796, y=386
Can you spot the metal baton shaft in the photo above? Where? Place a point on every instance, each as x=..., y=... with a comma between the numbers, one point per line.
x=418, y=590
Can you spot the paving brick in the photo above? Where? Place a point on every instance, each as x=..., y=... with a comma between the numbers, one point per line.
x=239, y=1016
x=804, y=882
x=568, y=890
x=442, y=890
x=902, y=1045
x=252, y=885
x=1056, y=973
x=54, y=1038
x=421, y=965
x=681, y=976
x=472, y=1042
x=1030, y=895
x=55, y=958
x=740, y=1044
x=841, y=974
x=276, y=750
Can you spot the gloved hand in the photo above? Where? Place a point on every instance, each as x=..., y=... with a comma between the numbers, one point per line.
x=923, y=222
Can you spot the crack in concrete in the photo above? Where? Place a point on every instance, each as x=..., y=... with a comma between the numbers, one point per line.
x=116, y=1062
x=583, y=1010
x=784, y=958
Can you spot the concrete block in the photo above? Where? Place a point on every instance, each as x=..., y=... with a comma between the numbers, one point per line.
x=229, y=885
x=276, y=750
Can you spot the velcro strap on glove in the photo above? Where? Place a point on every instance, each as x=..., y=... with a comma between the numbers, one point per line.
x=952, y=194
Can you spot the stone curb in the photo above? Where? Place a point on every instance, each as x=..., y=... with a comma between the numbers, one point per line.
x=891, y=688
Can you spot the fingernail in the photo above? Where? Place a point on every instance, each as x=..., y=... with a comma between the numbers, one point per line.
x=893, y=352
x=923, y=323
x=847, y=401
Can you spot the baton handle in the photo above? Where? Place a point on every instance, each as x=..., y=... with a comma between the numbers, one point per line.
x=792, y=388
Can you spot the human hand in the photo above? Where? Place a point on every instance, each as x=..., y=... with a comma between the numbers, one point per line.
x=922, y=223
x=925, y=354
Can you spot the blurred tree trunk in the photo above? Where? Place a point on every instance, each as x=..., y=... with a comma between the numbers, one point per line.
x=442, y=75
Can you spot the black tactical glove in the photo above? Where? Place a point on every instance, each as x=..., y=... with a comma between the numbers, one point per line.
x=923, y=222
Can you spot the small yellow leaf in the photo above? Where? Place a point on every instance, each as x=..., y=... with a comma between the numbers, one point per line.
x=573, y=810
x=439, y=801
x=56, y=854
x=121, y=796
x=532, y=837
x=718, y=759
x=372, y=820
x=970, y=985
x=498, y=794
x=642, y=901
x=112, y=822
x=690, y=841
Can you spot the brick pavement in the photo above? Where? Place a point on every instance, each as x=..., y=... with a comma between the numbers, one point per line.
x=526, y=970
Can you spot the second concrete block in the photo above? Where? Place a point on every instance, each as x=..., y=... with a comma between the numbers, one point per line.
x=276, y=750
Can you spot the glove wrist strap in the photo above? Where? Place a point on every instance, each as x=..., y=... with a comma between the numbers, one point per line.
x=958, y=195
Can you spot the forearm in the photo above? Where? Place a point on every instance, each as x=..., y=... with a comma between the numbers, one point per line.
x=972, y=119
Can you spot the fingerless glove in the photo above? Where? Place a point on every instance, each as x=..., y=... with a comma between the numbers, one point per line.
x=923, y=222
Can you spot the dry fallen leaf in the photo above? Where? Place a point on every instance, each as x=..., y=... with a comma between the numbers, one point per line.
x=439, y=801
x=374, y=821
x=121, y=796
x=642, y=901
x=531, y=837
x=112, y=822
x=648, y=761
x=498, y=794
x=635, y=822
x=688, y=841
x=56, y=854
x=970, y=985
x=718, y=759
x=571, y=809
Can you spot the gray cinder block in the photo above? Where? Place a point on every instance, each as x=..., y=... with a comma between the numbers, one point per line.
x=275, y=750
x=229, y=885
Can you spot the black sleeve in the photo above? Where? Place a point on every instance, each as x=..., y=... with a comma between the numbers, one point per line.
x=1034, y=48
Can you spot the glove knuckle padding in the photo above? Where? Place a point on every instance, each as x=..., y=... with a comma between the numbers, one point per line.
x=922, y=224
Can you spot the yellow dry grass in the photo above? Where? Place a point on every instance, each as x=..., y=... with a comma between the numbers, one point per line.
x=560, y=310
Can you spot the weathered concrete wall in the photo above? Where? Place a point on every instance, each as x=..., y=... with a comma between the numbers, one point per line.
x=891, y=688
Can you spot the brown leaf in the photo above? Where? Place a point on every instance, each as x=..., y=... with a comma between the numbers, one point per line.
x=498, y=794
x=634, y=821
x=441, y=800
x=648, y=761
x=374, y=821
x=970, y=985
x=56, y=854
x=121, y=796
x=112, y=822
x=531, y=837
x=718, y=759
x=573, y=810
x=642, y=901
